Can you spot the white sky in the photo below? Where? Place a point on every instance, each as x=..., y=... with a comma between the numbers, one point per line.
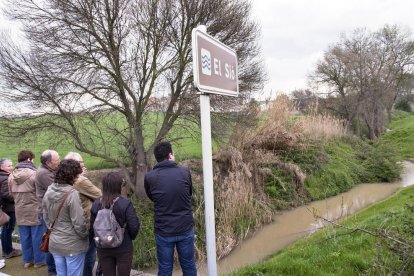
x=295, y=33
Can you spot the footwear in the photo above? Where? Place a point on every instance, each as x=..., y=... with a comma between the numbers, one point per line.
x=27, y=265
x=14, y=253
x=39, y=265
x=2, y=265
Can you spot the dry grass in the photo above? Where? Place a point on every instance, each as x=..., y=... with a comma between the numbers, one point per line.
x=324, y=127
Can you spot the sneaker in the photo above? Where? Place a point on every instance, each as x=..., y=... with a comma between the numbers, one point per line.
x=2, y=265
x=39, y=265
x=27, y=265
x=14, y=253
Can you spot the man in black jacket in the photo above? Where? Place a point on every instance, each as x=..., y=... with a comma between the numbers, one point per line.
x=170, y=188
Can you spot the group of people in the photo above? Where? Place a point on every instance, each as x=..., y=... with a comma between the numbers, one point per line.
x=60, y=197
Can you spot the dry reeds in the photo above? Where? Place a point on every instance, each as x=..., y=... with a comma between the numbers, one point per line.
x=322, y=126
x=236, y=197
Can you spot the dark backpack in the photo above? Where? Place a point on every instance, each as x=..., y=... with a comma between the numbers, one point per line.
x=108, y=232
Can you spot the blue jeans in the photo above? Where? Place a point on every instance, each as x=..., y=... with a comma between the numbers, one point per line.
x=30, y=238
x=50, y=261
x=69, y=265
x=6, y=234
x=185, y=249
x=90, y=257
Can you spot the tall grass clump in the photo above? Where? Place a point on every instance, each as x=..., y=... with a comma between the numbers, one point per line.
x=323, y=126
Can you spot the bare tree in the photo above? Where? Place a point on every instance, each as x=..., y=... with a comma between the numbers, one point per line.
x=92, y=69
x=364, y=73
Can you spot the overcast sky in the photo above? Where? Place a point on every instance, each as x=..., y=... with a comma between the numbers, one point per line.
x=296, y=32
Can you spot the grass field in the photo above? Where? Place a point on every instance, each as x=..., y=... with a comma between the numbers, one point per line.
x=187, y=147
x=337, y=251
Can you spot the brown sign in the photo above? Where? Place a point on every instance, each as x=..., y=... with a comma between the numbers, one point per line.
x=214, y=65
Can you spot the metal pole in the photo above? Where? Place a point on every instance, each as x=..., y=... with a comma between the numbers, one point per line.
x=208, y=184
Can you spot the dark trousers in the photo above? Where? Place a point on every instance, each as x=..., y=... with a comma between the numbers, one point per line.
x=115, y=264
x=90, y=258
x=6, y=234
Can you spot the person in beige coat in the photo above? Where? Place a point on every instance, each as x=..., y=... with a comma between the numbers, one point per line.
x=88, y=194
x=22, y=187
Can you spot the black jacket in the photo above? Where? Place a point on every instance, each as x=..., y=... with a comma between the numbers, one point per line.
x=170, y=188
x=6, y=199
x=125, y=214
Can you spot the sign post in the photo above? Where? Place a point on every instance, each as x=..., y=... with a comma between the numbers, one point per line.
x=214, y=71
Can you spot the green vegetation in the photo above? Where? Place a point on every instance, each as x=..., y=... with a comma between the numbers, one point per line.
x=189, y=146
x=337, y=251
x=333, y=168
x=401, y=134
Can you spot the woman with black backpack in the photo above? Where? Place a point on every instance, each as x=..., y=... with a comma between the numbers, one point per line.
x=114, y=246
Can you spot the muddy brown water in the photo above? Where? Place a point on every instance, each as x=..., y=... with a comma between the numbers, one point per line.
x=291, y=225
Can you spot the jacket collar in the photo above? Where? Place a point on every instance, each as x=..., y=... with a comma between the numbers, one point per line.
x=26, y=165
x=165, y=164
x=47, y=168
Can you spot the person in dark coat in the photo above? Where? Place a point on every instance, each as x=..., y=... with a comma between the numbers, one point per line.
x=7, y=205
x=170, y=188
x=116, y=261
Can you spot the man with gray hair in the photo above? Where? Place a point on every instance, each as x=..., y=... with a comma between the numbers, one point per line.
x=45, y=176
x=88, y=193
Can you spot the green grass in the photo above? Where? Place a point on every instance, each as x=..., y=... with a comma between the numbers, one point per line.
x=333, y=167
x=186, y=143
x=401, y=134
x=337, y=251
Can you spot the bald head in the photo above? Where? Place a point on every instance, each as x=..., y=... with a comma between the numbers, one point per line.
x=50, y=159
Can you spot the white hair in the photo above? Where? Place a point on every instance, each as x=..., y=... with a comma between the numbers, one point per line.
x=4, y=161
x=74, y=156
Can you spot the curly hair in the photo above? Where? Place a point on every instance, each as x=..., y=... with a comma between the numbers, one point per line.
x=67, y=172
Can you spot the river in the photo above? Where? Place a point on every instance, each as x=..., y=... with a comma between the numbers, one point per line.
x=292, y=225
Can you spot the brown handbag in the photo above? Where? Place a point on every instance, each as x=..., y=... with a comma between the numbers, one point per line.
x=4, y=218
x=44, y=246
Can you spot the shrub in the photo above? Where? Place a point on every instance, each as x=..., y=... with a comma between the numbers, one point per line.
x=403, y=105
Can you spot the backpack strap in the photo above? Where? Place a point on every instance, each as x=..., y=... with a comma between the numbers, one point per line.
x=113, y=203
x=111, y=206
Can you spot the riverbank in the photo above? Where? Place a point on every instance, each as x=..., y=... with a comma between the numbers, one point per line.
x=340, y=251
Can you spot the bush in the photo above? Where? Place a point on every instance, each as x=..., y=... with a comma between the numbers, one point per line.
x=381, y=163
x=403, y=105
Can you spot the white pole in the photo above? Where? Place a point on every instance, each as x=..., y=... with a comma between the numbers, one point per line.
x=208, y=184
